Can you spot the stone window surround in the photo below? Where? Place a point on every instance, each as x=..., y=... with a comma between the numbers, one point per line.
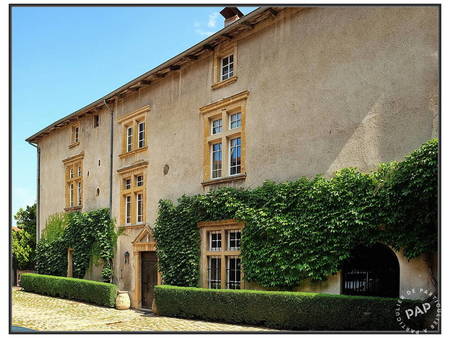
x=223, y=226
x=223, y=109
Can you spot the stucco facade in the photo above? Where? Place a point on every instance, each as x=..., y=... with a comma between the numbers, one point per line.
x=328, y=88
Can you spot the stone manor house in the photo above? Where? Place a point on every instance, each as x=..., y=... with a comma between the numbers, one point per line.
x=280, y=93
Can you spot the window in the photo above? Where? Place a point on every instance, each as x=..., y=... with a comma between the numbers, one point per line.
x=141, y=134
x=74, y=182
x=127, y=183
x=75, y=134
x=224, y=139
x=224, y=63
x=71, y=195
x=234, y=240
x=132, y=207
x=215, y=241
x=216, y=160
x=134, y=136
x=235, y=120
x=233, y=272
x=226, y=67
x=128, y=209
x=129, y=139
x=216, y=126
x=139, y=202
x=79, y=193
x=220, y=254
x=214, y=266
x=96, y=119
x=139, y=181
x=235, y=156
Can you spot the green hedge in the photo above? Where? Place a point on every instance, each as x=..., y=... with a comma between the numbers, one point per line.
x=279, y=309
x=72, y=288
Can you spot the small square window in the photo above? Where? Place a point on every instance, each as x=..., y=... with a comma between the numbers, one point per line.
x=215, y=241
x=216, y=126
x=235, y=120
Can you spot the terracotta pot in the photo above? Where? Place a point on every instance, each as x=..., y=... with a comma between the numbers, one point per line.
x=123, y=300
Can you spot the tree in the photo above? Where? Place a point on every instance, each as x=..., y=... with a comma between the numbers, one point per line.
x=24, y=240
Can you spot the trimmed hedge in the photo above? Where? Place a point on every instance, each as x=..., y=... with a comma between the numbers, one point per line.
x=279, y=309
x=72, y=288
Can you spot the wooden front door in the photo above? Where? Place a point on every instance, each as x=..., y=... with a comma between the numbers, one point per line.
x=148, y=277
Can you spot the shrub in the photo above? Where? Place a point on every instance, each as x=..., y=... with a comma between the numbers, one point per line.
x=71, y=288
x=91, y=235
x=279, y=309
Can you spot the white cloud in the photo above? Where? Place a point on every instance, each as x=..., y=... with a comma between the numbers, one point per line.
x=212, y=22
x=207, y=28
x=203, y=32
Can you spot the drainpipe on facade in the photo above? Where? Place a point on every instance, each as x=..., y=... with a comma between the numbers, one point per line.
x=38, y=180
x=110, y=156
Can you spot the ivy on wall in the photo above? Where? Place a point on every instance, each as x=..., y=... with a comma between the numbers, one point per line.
x=92, y=237
x=306, y=229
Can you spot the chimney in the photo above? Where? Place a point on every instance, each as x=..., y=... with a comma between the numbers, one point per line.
x=231, y=14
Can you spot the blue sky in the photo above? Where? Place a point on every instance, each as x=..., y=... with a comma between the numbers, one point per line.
x=63, y=58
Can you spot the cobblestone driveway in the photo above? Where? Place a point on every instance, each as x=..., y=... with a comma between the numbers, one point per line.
x=44, y=313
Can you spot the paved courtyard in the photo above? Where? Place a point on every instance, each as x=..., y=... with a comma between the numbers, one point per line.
x=44, y=313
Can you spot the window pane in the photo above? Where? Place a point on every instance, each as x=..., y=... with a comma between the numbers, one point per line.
x=128, y=209
x=215, y=241
x=226, y=67
x=234, y=240
x=214, y=277
x=141, y=136
x=216, y=161
x=129, y=138
x=235, y=120
x=235, y=156
x=71, y=195
x=139, y=181
x=127, y=183
x=216, y=126
x=140, y=217
x=79, y=193
x=233, y=272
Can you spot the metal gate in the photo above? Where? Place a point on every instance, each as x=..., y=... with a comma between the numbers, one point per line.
x=371, y=271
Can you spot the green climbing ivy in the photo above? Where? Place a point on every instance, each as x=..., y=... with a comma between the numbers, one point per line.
x=91, y=235
x=306, y=229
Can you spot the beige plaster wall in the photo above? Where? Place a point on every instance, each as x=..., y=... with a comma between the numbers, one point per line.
x=329, y=88
x=94, y=142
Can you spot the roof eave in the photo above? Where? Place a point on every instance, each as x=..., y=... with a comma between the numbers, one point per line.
x=165, y=65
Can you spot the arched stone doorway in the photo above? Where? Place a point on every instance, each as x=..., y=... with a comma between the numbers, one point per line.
x=371, y=271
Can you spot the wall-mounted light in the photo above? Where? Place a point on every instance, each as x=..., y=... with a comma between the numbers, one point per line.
x=127, y=257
